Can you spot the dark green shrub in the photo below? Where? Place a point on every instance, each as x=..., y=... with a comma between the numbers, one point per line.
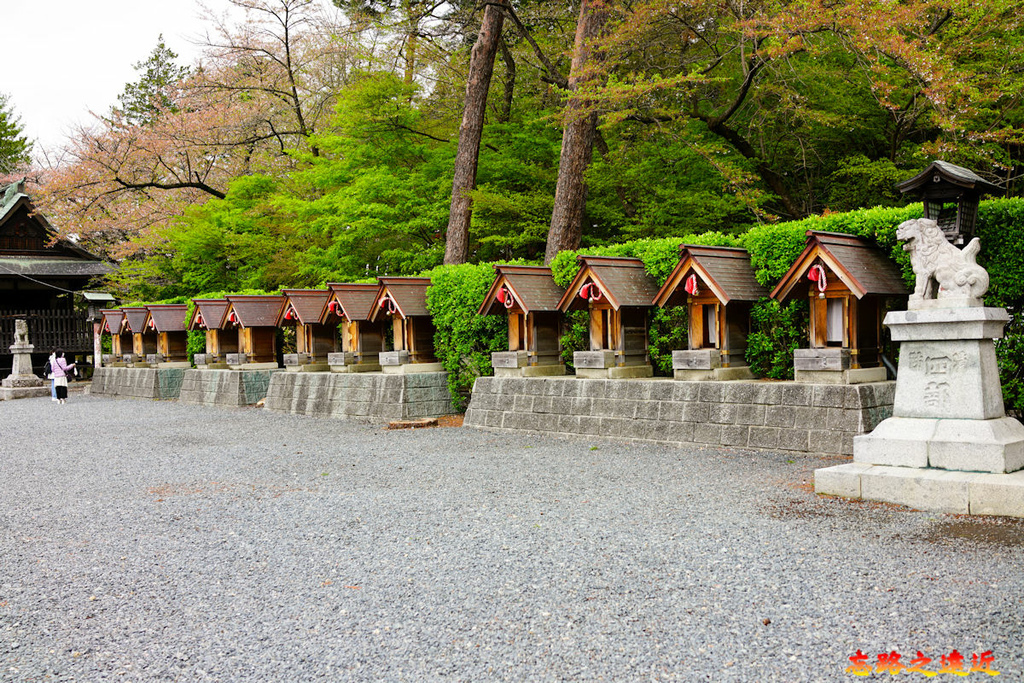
x=776, y=329
x=464, y=340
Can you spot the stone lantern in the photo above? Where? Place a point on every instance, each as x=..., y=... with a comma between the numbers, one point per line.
x=951, y=195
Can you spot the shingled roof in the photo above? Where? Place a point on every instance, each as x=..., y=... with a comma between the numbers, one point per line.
x=168, y=317
x=622, y=281
x=355, y=299
x=306, y=305
x=408, y=293
x=725, y=271
x=532, y=287
x=29, y=246
x=208, y=314
x=943, y=171
x=112, y=319
x=135, y=318
x=857, y=262
x=255, y=310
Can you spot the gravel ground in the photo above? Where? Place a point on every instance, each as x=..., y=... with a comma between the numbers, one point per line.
x=150, y=541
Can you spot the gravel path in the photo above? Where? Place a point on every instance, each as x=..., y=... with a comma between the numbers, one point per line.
x=150, y=541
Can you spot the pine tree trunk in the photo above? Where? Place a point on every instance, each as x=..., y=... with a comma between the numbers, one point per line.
x=577, y=139
x=478, y=82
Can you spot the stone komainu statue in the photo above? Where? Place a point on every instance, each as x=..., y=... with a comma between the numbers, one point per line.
x=20, y=332
x=942, y=271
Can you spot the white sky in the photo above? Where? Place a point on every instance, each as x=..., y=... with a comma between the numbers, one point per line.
x=59, y=59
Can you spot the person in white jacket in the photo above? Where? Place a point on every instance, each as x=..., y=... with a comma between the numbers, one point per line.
x=50, y=376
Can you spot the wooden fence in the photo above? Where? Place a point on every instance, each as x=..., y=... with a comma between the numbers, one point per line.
x=48, y=330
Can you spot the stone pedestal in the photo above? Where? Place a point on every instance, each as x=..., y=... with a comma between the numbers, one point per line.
x=349, y=361
x=22, y=382
x=604, y=365
x=304, y=362
x=948, y=422
x=831, y=366
x=700, y=365
x=520, y=364
x=398, y=363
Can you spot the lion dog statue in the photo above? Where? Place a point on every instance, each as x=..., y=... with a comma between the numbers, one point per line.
x=941, y=270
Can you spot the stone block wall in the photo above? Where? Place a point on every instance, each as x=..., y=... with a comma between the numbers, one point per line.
x=814, y=418
x=360, y=395
x=152, y=383
x=233, y=388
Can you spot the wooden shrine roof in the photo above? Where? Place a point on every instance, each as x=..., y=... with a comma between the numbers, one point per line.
x=940, y=173
x=29, y=245
x=858, y=263
x=622, y=281
x=112, y=320
x=355, y=299
x=208, y=314
x=135, y=318
x=408, y=293
x=532, y=287
x=305, y=305
x=255, y=310
x=168, y=317
x=725, y=271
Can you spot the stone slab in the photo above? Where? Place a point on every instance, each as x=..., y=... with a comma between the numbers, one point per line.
x=365, y=396
x=696, y=359
x=412, y=368
x=146, y=383
x=995, y=446
x=946, y=324
x=926, y=489
x=753, y=414
x=14, y=393
x=230, y=388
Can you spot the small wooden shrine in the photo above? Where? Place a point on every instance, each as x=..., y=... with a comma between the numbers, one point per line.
x=349, y=307
x=951, y=195
x=143, y=338
x=209, y=316
x=120, y=339
x=718, y=287
x=168, y=322
x=847, y=281
x=255, y=317
x=403, y=300
x=314, y=339
x=529, y=296
x=619, y=294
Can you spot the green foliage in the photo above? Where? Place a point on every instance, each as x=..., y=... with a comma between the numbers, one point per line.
x=669, y=332
x=464, y=340
x=15, y=148
x=159, y=78
x=858, y=182
x=776, y=330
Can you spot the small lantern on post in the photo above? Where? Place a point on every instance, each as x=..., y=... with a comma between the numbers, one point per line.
x=951, y=195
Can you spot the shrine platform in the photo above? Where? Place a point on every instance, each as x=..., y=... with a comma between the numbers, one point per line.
x=369, y=395
x=231, y=388
x=786, y=416
x=151, y=383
